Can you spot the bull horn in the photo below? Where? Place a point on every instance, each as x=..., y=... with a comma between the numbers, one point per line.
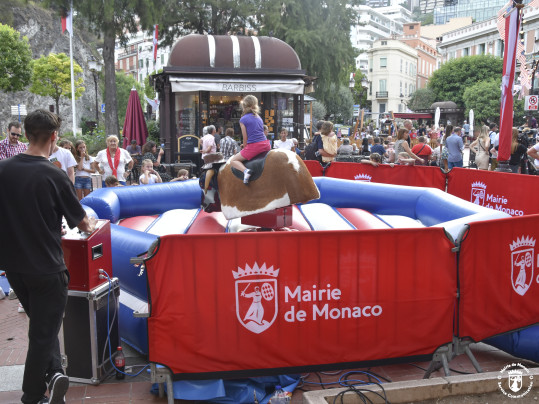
x=209, y=176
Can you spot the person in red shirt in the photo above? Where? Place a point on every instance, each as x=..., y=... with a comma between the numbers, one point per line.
x=11, y=145
x=422, y=150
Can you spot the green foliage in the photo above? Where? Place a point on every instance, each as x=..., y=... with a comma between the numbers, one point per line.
x=94, y=142
x=451, y=80
x=339, y=103
x=148, y=88
x=319, y=32
x=153, y=131
x=124, y=84
x=359, y=92
x=51, y=77
x=484, y=99
x=15, y=59
x=422, y=98
x=217, y=17
x=319, y=110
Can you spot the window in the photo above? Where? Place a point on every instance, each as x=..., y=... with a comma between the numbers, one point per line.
x=382, y=108
x=141, y=63
x=162, y=59
x=384, y=43
x=382, y=85
x=383, y=63
x=401, y=65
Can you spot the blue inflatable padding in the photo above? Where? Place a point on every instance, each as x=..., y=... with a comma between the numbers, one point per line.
x=522, y=344
x=90, y=212
x=237, y=391
x=125, y=244
x=4, y=284
x=133, y=330
x=121, y=202
x=105, y=203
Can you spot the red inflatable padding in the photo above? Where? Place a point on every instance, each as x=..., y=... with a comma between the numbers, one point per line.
x=515, y=194
x=314, y=167
x=227, y=303
x=419, y=176
x=208, y=223
x=140, y=223
x=298, y=220
x=498, y=277
x=361, y=219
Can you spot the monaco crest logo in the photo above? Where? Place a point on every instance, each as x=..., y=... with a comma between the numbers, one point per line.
x=522, y=263
x=363, y=177
x=256, y=297
x=479, y=191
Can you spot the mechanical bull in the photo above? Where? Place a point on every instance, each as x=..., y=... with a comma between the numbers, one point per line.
x=279, y=178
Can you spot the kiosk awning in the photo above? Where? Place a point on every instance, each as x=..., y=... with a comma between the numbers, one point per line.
x=237, y=85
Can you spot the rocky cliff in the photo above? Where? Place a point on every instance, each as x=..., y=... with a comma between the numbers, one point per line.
x=44, y=31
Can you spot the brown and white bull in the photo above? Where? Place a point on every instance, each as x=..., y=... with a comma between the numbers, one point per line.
x=278, y=179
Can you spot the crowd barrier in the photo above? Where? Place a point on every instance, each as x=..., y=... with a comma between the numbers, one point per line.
x=515, y=194
x=283, y=302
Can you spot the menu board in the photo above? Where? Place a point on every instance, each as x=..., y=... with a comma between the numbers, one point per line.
x=188, y=144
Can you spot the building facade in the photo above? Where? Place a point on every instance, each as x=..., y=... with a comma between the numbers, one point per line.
x=392, y=76
x=479, y=10
x=427, y=55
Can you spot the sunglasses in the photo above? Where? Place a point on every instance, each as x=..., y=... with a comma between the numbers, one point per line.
x=16, y=134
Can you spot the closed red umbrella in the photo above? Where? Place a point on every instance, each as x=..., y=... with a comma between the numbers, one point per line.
x=134, y=125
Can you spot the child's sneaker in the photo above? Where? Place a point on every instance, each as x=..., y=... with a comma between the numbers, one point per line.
x=12, y=295
x=20, y=309
x=2, y=294
x=246, y=176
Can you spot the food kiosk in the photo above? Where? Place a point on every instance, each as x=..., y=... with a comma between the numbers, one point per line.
x=207, y=76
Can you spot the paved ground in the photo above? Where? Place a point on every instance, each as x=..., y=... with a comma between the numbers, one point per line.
x=13, y=345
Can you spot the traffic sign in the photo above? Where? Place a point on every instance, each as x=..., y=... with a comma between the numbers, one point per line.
x=531, y=103
x=356, y=110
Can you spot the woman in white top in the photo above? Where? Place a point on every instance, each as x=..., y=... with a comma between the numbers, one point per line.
x=113, y=159
x=83, y=169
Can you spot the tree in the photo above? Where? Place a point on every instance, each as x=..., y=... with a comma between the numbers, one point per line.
x=217, y=17
x=51, y=77
x=319, y=32
x=15, y=69
x=124, y=84
x=112, y=19
x=340, y=103
x=484, y=98
x=422, y=98
x=360, y=92
x=319, y=111
x=451, y=80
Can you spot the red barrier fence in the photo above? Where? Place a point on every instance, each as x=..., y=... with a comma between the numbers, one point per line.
x=499, y=287
x=515, y=194
x=385, y=174
x=284, y=301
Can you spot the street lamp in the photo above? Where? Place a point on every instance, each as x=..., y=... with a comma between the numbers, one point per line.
x=95, y=67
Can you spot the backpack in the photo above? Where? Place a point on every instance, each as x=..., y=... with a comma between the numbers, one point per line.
x=311, y=149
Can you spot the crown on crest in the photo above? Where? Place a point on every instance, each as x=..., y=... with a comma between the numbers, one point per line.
x=522, y=242
x=478, y=184
x=362, y=177
x=255, y=270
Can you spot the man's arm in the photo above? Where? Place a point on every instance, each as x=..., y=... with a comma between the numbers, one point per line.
x=87, y=224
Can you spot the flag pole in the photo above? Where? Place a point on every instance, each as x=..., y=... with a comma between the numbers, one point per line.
x=72, y=76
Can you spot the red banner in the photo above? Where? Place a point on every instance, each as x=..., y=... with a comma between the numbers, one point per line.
x=515, y=194
x=498, y=279
x=226, y=303
x=418, y=176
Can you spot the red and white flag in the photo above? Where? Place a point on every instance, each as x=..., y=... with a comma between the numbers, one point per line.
x=155, y=32
x=512, y=25
x=67, y=22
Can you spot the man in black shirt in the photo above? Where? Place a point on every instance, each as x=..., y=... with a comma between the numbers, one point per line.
x=36, y=195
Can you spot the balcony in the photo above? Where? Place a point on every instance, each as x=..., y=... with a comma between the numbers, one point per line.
x=382, y=94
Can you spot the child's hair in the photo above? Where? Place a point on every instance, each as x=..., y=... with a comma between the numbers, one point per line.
x=376, y=157
x=326, y=128
x=229, y=132
x=77, y=154
x=183, y=172
x=146, y=161
x=250, y=104
x=111, y=181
